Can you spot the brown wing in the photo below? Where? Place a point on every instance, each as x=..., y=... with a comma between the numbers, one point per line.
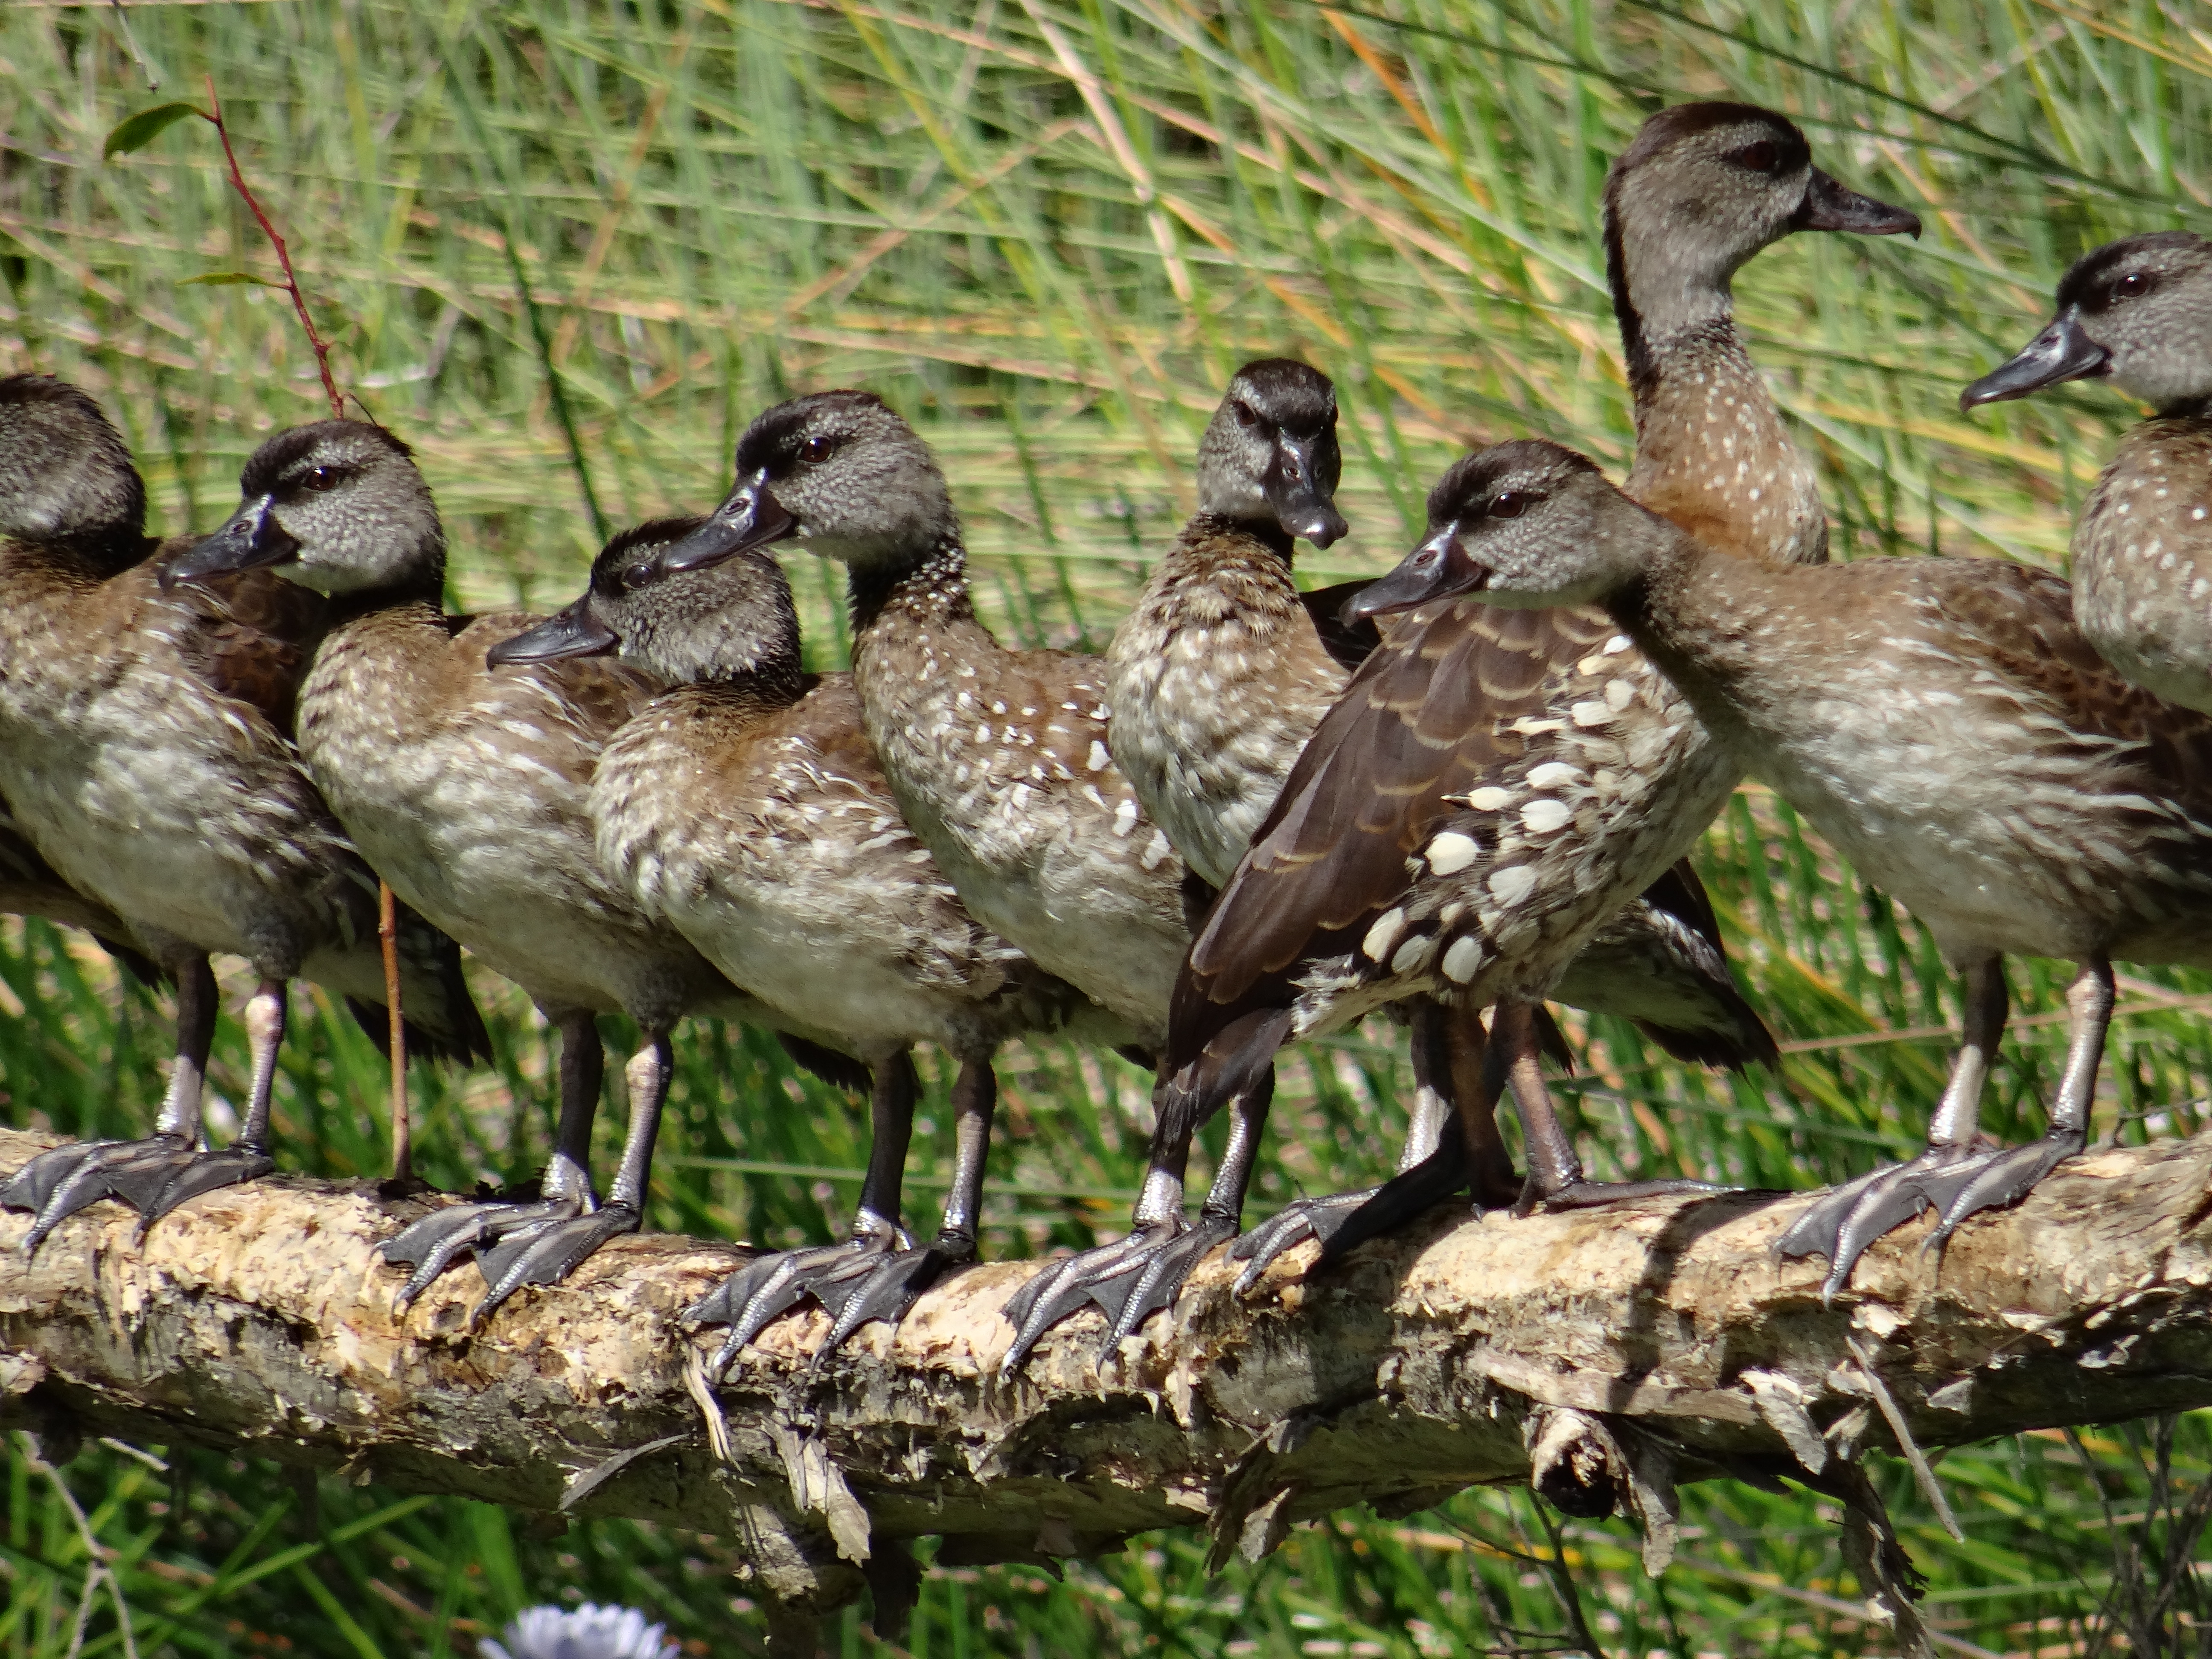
x=248, y=635
x=2022, y=620
x=581, y=702
x=1428, y=713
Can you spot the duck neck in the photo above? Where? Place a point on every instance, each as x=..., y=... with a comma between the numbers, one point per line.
x=1698, y=615
x=1712, y=453
x=929, y=590
x=2185, y=409
x=426, y=593
x=1268, y=532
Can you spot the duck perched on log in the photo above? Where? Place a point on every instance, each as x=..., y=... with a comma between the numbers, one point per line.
x=1218, y=677
x=2054, y=811
x=465, y=784
x=2138, y=312
x=145, y=754
x=999, y=760
x=745, y=809
x=1494, y=786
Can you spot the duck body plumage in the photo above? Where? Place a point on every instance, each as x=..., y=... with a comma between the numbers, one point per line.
x=767, y=833
x=1946, y=726
x=2142, y=559
x=147, y=760
x=469, y=788
x=999, y=760
x=1216, y=680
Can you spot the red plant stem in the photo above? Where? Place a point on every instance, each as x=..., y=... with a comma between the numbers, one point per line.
x=283, y=258
x=387, y=919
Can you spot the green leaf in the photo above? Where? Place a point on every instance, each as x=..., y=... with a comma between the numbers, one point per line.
x=226, y=279
x=137, y=131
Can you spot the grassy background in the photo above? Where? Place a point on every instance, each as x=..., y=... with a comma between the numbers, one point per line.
x=569, y=250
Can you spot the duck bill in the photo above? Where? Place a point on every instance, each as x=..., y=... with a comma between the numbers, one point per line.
x=2062, y=351
x=1295, y=495
x=575, y=632
x=1829, y=205
x=251, y=540
x=751, y=517
x=1436, y=569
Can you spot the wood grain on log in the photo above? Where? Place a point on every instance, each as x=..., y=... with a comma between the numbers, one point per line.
x=259, y=1320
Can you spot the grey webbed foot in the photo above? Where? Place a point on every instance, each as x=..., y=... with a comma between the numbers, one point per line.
x=1841, y=1225
x=32, y=1186
x=547, y=1254
x=444, y=1236
x=134, y=1171
x=1321, y=1219
x=206, y=1172
x=1128, y=1282
x=2005, y=1175
x=891, y=1291
x=764, y=1290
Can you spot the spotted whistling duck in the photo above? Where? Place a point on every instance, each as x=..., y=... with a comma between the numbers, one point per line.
x=1221, y=673
x=745, y=809
x=1494, y=785
x=999, y=760
x=2138, y=312
x=465, y=786
x=144, y=753
x=2055, y=810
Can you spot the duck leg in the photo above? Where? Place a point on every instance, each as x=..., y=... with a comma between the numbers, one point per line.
x=770, y=1284
x=1844, y=1222
x=1449, y=1050
x=1555, y=1181
x=1135, y=1277
x=1990, y=1180
x=892, y=1288
x=58, y=1182
x=438, y=1240
x=157, y=1186
x=549, y=1252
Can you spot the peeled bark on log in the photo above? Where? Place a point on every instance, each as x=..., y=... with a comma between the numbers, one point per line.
x=1629, y=1346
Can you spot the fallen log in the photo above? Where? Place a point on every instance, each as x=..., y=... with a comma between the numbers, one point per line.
x=1613, y=1352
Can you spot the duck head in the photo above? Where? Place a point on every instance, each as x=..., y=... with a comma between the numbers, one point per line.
x=1702, y=188
x=730, y=620
x=1523, y=523
x=838, y=470
x=65, y=472
x=2137, y=312
x=338, y=507
x=1270, y=454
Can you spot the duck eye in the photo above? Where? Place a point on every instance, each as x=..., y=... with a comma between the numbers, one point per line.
x=2129, y=286
x=1509, y=504
x=1760, y=156
x=638, y=575
x=321, y=478
x=816, y=450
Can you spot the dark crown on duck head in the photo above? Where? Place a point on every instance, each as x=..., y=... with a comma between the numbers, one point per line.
x=65, y=472
x=732, y=621
x=2137, y=310
x=1270, y=454
x=840, y=468
x=338, y=507
x=1702, y=188
x=1525, y=523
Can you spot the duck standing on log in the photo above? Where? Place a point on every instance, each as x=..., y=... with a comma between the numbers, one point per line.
x=2138, y=312
x=1219, y=675
x=145, y=753
x=999, y=760
x=465, y=786
x=1493, y=786
x=745, y=809
x=2055, y=810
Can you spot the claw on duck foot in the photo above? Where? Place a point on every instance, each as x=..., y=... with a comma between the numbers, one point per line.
x=547, y=1254
x=438, y=1240
x=1128, y=1282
